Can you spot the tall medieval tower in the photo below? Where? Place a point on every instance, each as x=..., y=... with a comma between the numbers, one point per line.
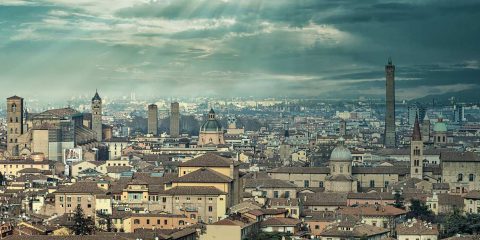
x=416, y=152
x=390, y=135
x=14, y=124
x=97, y=116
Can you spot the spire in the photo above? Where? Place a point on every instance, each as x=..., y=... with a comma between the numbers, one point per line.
x=96, y=97
x=389, y=60
x=416, y=136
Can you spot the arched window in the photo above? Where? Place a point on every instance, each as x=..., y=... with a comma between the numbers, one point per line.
x=416, y=170
x=181, y=222
x=460, y=177
x=471, y=177
x=14, y=107
x=136, y=221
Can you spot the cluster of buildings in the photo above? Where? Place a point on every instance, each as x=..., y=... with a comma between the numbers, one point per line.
x=344, y=175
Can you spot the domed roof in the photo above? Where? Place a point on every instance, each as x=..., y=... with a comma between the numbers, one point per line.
x=211, y=125
x=440, y=126
x=340, y=153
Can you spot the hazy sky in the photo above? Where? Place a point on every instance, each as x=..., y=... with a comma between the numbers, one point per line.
x=237, y=47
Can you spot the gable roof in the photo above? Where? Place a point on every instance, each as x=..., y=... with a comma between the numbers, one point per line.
x=208, y=160
x=194, y=191
x=203, y=175
x=81, y=187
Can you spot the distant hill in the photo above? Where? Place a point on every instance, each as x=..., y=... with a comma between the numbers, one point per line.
x=465, y=96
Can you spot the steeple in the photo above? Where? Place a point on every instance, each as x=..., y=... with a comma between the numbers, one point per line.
x=96, y=97
x=416, y=136
x=389, y=61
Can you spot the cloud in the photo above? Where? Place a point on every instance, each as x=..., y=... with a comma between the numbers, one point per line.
x=263, y=48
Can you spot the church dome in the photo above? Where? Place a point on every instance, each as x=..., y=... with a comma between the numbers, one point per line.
x=341, y=153
x=212, y=124
x=440, y=126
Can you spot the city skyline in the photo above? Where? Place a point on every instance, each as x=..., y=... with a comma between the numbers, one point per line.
x=58, y=49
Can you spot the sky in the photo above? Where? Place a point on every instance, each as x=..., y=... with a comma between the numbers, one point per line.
x=274, y=48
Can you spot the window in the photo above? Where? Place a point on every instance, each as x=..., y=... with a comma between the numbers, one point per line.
x=320, y=184
x=372, y=183
x=210, y=208
x=136, y=221
x=199, y=199
x=89, y=206
x=69, y=199
x=460, y=177
x=385, y=224
x=61, y=199
x=164, y=199
x=306, y=183
x=471, y=177
x=317, y=227
x=341, y=168
x=387, y=183
x=148, y=221
x=287, y=194
x=374, y=223
x=79, y=199
x=165, y=221
x=158, y=221
x=275, y=194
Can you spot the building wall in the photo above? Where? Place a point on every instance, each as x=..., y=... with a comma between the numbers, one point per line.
x=314, y=180
x=451, y=170
x=149, y=221
x=472, y=206
x=11, y=168
x=222, y=232
x=415, y=237
x=40, y=141
x=67, y=203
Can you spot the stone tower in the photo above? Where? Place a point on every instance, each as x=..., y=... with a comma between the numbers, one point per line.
x=14, y=124
x=153, y=119
x=97, y=116
x=175, y=120
x=390, y=135
x=416, y=152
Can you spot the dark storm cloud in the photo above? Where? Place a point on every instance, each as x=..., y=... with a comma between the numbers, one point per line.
x=194, y=47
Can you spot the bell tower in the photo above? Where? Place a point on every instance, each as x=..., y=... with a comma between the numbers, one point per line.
x=14, y=124
x=97, y=116
x=416, y=152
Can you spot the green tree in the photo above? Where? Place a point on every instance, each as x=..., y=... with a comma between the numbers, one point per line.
x=399, y=200
x=419, y=210
x=81, y=224
x=105, y=220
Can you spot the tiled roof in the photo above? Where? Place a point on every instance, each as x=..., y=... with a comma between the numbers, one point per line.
x=301, y=170
x=372, y=196
x=81, y=187
x=358, y=231
x=380, y=170
x=416, y=227
x=473, y=195
x=268, y=183
x=450, y=199
x=459, y=157
x=194, y=191
x=372, y=210
x=274, y=221
x=208, y=160
x=203, y=175
x=325, y=199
